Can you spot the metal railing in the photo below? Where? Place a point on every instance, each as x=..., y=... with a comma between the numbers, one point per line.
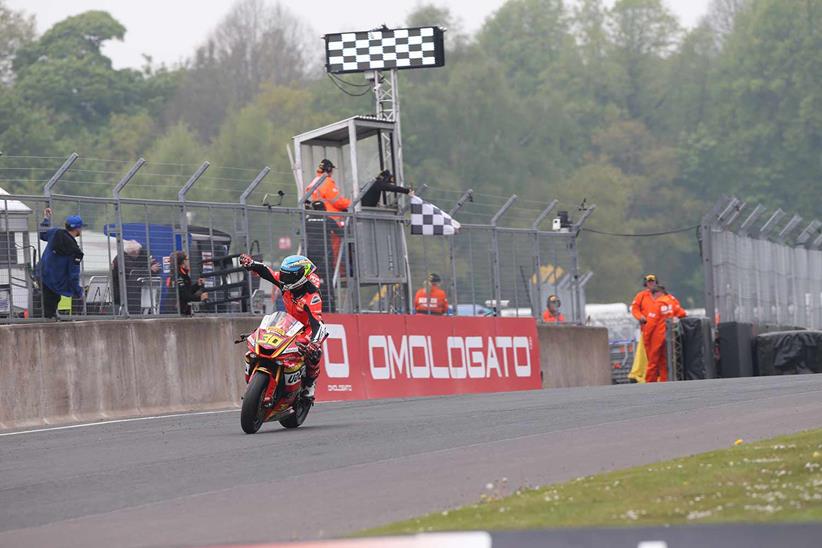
x=761, y=268
x=490, y=267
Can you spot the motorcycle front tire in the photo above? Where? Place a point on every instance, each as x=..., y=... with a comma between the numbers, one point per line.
x=252, y=413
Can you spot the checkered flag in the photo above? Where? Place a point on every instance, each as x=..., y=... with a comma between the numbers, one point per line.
x=429, y=220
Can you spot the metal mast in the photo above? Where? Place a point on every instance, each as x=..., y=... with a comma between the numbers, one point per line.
x=387, y=107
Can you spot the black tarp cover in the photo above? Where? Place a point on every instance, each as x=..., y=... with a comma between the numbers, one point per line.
x=789, y=352
x=697, y=348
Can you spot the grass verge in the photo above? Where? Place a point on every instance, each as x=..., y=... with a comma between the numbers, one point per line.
x=775, y=480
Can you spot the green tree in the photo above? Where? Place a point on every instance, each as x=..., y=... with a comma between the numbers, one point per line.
x=172, y=158
x=531, y=39
x=644, y=32
x=255, y=43
x=616, y=265
x=65, y=71
x=16, y=30
x=763, y=136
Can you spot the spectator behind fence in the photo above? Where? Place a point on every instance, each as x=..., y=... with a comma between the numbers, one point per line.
x=324, y=234
x=552, y=313
x=137, y=265
x=431, y=299
x=384, y=182
x=187, y=291
x=60, y=264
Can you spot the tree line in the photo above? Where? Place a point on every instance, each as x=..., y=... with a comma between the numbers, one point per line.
x=620, y=106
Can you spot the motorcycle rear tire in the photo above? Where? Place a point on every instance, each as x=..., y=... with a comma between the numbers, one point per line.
x=252, y=413
x=294, y=420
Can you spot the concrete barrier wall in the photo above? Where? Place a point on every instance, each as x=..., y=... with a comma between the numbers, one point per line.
x=65, y=372
x=574, y=356
x=79, y=371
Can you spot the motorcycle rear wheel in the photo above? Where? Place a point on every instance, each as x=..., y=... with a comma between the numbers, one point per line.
x=253, y=413
x=295, y=419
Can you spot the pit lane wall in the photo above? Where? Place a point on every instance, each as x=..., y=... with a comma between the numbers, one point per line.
x=83, y=371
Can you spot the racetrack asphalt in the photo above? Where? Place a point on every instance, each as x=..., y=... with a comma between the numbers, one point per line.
x=196, y=480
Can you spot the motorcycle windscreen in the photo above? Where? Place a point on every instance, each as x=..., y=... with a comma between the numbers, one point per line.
x=283, y=323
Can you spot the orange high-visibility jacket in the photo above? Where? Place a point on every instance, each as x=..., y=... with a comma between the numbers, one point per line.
x=329, y=194
x=431, y=302
x=665, y=306
x=547, y=317
x=643, y=304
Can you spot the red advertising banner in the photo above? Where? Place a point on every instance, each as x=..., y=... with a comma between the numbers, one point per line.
x=395, y=356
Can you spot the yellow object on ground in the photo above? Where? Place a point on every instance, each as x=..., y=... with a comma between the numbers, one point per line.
x=64, y=306
x=640, y=363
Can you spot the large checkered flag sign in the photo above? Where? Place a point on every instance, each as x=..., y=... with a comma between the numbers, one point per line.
x=429, y=220
x=384, y=49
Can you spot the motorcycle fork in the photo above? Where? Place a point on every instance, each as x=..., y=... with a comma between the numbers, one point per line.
x=271, y=393
x=274, y=382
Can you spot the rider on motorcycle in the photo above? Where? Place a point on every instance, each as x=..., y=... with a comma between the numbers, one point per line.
x=301, y=294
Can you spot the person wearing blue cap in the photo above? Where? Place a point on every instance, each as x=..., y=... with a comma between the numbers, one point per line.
x=60, y=264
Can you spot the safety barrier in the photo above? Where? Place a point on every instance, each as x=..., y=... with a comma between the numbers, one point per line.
x=83, y=371
x=761, y=273
x=574, y=356
x=370, y=356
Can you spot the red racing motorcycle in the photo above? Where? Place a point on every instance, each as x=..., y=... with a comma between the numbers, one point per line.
x=274, y=371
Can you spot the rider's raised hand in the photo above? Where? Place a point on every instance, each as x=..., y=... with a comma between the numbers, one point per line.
x=245, y=260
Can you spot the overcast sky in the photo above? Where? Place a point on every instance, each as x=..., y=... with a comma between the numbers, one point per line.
x=169, y=30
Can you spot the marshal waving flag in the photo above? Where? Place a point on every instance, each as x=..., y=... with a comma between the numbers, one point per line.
x=429, y=220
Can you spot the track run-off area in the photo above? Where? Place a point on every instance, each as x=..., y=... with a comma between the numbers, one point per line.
x=196, y=479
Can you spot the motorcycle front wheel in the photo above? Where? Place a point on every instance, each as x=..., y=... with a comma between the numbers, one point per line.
x=253, y=413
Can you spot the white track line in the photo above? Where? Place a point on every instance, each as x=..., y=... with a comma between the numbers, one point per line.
x=132, y=419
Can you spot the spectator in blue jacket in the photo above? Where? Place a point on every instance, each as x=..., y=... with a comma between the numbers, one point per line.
x=60, y=264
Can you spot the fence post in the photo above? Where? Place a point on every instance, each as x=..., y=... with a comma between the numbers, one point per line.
x=244, y=209
x=118, y=215
x=495, y=253
x=707, y=247
x=788, y=228
x=468, y=195
x=805, y=236
x=181, y=198
x=745, y=227
x=536, y=304
x=57, y=175
x=576, y=304
x=9, y=243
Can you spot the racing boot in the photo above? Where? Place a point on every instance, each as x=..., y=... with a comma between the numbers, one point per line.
x=308, y=389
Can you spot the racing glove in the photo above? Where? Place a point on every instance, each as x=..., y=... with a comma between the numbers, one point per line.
x=311, y=351
x=246, y=261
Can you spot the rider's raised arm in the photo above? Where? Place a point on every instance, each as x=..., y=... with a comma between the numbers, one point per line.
x=262, y=270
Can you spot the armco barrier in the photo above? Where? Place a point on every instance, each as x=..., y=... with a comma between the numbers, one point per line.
x=78, y=371
x=574, y=356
